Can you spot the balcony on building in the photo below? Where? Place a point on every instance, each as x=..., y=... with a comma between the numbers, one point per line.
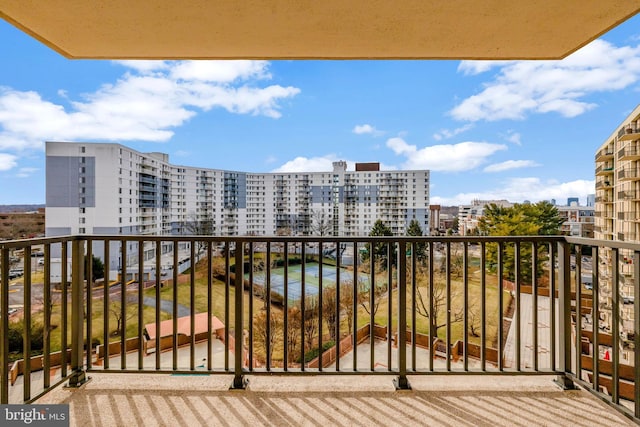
x=628, y=174
x=629, y=133
x=630, y=152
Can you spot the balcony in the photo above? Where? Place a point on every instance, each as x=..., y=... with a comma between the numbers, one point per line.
x=603, y=185
x=604, y=155
x=491, y=322
x=629, y=133
x=628, y=174
x=629, y=153
x=605, y=169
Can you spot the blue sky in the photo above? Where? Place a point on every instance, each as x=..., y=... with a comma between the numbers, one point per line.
x=516, y=130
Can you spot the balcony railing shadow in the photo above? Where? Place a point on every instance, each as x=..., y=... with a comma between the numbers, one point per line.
x=317, y=306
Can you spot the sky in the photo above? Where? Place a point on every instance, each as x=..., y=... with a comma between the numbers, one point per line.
x=514, y=130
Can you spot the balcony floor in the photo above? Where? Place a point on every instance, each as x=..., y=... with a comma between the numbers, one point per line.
x=156, y=399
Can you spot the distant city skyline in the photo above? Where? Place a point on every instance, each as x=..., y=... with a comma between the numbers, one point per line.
x=515, y=130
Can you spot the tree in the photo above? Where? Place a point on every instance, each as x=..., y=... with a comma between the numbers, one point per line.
x=260, y=330
x=321, y=223
x=364, y=297
x=439, y=298
x=97, y=268
x=310, y=325
x=347, y=303
x=116, y=311
x=520, y=220
x=203, y=225
x=473, y=320
x=294, y=331
x=414, y=229
x=379, y=229
x=330, y=313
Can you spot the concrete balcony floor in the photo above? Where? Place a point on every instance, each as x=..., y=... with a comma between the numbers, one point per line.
x=193, y=400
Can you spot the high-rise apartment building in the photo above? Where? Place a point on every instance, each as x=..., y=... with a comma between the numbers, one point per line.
x=105, y=188
x=469, y=215
x=617, y=204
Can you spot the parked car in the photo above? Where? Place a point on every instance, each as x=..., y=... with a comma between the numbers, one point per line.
x=41, y=261
x=14, y=273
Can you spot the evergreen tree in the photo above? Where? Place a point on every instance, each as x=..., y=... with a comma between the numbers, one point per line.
x=519, y=220
x=414, y=229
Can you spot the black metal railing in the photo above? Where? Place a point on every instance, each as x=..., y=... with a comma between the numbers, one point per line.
x=319, y=305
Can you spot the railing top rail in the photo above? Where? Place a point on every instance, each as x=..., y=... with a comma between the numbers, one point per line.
x=21, y=243
x=281, y=239
x=603, y=243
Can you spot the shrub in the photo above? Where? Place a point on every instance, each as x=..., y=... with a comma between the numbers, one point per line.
x=313, y=353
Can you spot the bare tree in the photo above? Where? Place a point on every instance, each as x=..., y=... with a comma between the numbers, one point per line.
x=347, y=303
x=439, y=299
x=116, y=311
x=330, y=313
x=294, y=331
x=321, y=223
x=473, y=320
x=202, y=225
x=364, y=296
x=310, y=325
x=260, y=330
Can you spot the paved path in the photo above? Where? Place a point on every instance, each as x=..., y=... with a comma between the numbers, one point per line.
x=167, y=306
x=526, y=334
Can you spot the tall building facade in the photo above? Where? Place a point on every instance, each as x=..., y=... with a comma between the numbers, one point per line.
x=106, y=188
x=578, y=220
x=617, y=207
x=469, y=215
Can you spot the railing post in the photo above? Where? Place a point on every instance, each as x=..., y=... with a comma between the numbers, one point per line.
x=401, y=382
x=78, y=376
x=4, y=327
x=239, y=382
x=564, y=321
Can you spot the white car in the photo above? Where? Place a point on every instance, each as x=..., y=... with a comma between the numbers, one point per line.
x=41, y=261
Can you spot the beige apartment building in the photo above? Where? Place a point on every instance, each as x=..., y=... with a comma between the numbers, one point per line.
x=617, y=206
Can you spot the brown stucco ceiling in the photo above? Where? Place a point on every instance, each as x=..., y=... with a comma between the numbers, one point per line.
x=171, y=29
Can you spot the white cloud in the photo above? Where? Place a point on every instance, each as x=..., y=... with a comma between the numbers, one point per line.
x=446, y=133
x=367, y=129
x=510, y=164
x=472, y=68
x=220, y=71
x=320, y=164
x=26, y=172
x=144, y=66
x=521, y=189
x=7, y=161
x=513, y=137
x=450, y=158
x=145, y=104
x=521, y=88
x=306, y=164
